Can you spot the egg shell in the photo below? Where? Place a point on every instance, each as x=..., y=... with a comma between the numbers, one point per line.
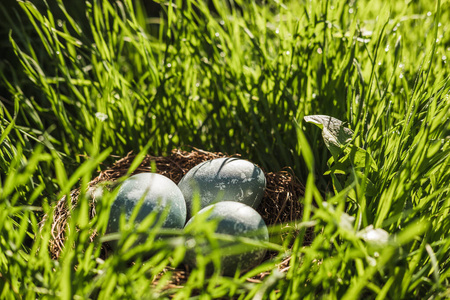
x=238, y=220
x=223, y=179
x=158, y=193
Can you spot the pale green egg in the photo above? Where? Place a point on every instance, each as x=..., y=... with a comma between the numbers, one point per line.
x=158, y=194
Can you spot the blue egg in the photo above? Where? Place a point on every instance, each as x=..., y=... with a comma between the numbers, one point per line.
x=234, y=219
x=223, y=179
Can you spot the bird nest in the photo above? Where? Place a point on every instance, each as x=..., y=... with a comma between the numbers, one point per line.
x=280, y=206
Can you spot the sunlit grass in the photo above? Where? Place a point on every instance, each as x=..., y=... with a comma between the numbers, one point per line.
x=85, y=84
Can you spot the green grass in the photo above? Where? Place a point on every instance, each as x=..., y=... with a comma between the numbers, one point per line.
x=83, y=84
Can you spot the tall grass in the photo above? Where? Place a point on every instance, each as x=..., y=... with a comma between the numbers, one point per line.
x=86, y=83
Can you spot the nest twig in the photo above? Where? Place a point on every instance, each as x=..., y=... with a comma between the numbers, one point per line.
x=280, y=204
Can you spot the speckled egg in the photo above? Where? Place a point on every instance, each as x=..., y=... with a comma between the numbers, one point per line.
x=237, y=220
x=158, y=192
x=223, y=179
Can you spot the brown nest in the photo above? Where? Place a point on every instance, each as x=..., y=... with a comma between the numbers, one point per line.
x=280, y=205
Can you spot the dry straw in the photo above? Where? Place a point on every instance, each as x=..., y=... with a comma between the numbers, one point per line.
x=280, y=204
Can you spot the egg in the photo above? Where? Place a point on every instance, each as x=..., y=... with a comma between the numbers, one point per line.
x=158, y=194
x=223, y=179
x=234, y=219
